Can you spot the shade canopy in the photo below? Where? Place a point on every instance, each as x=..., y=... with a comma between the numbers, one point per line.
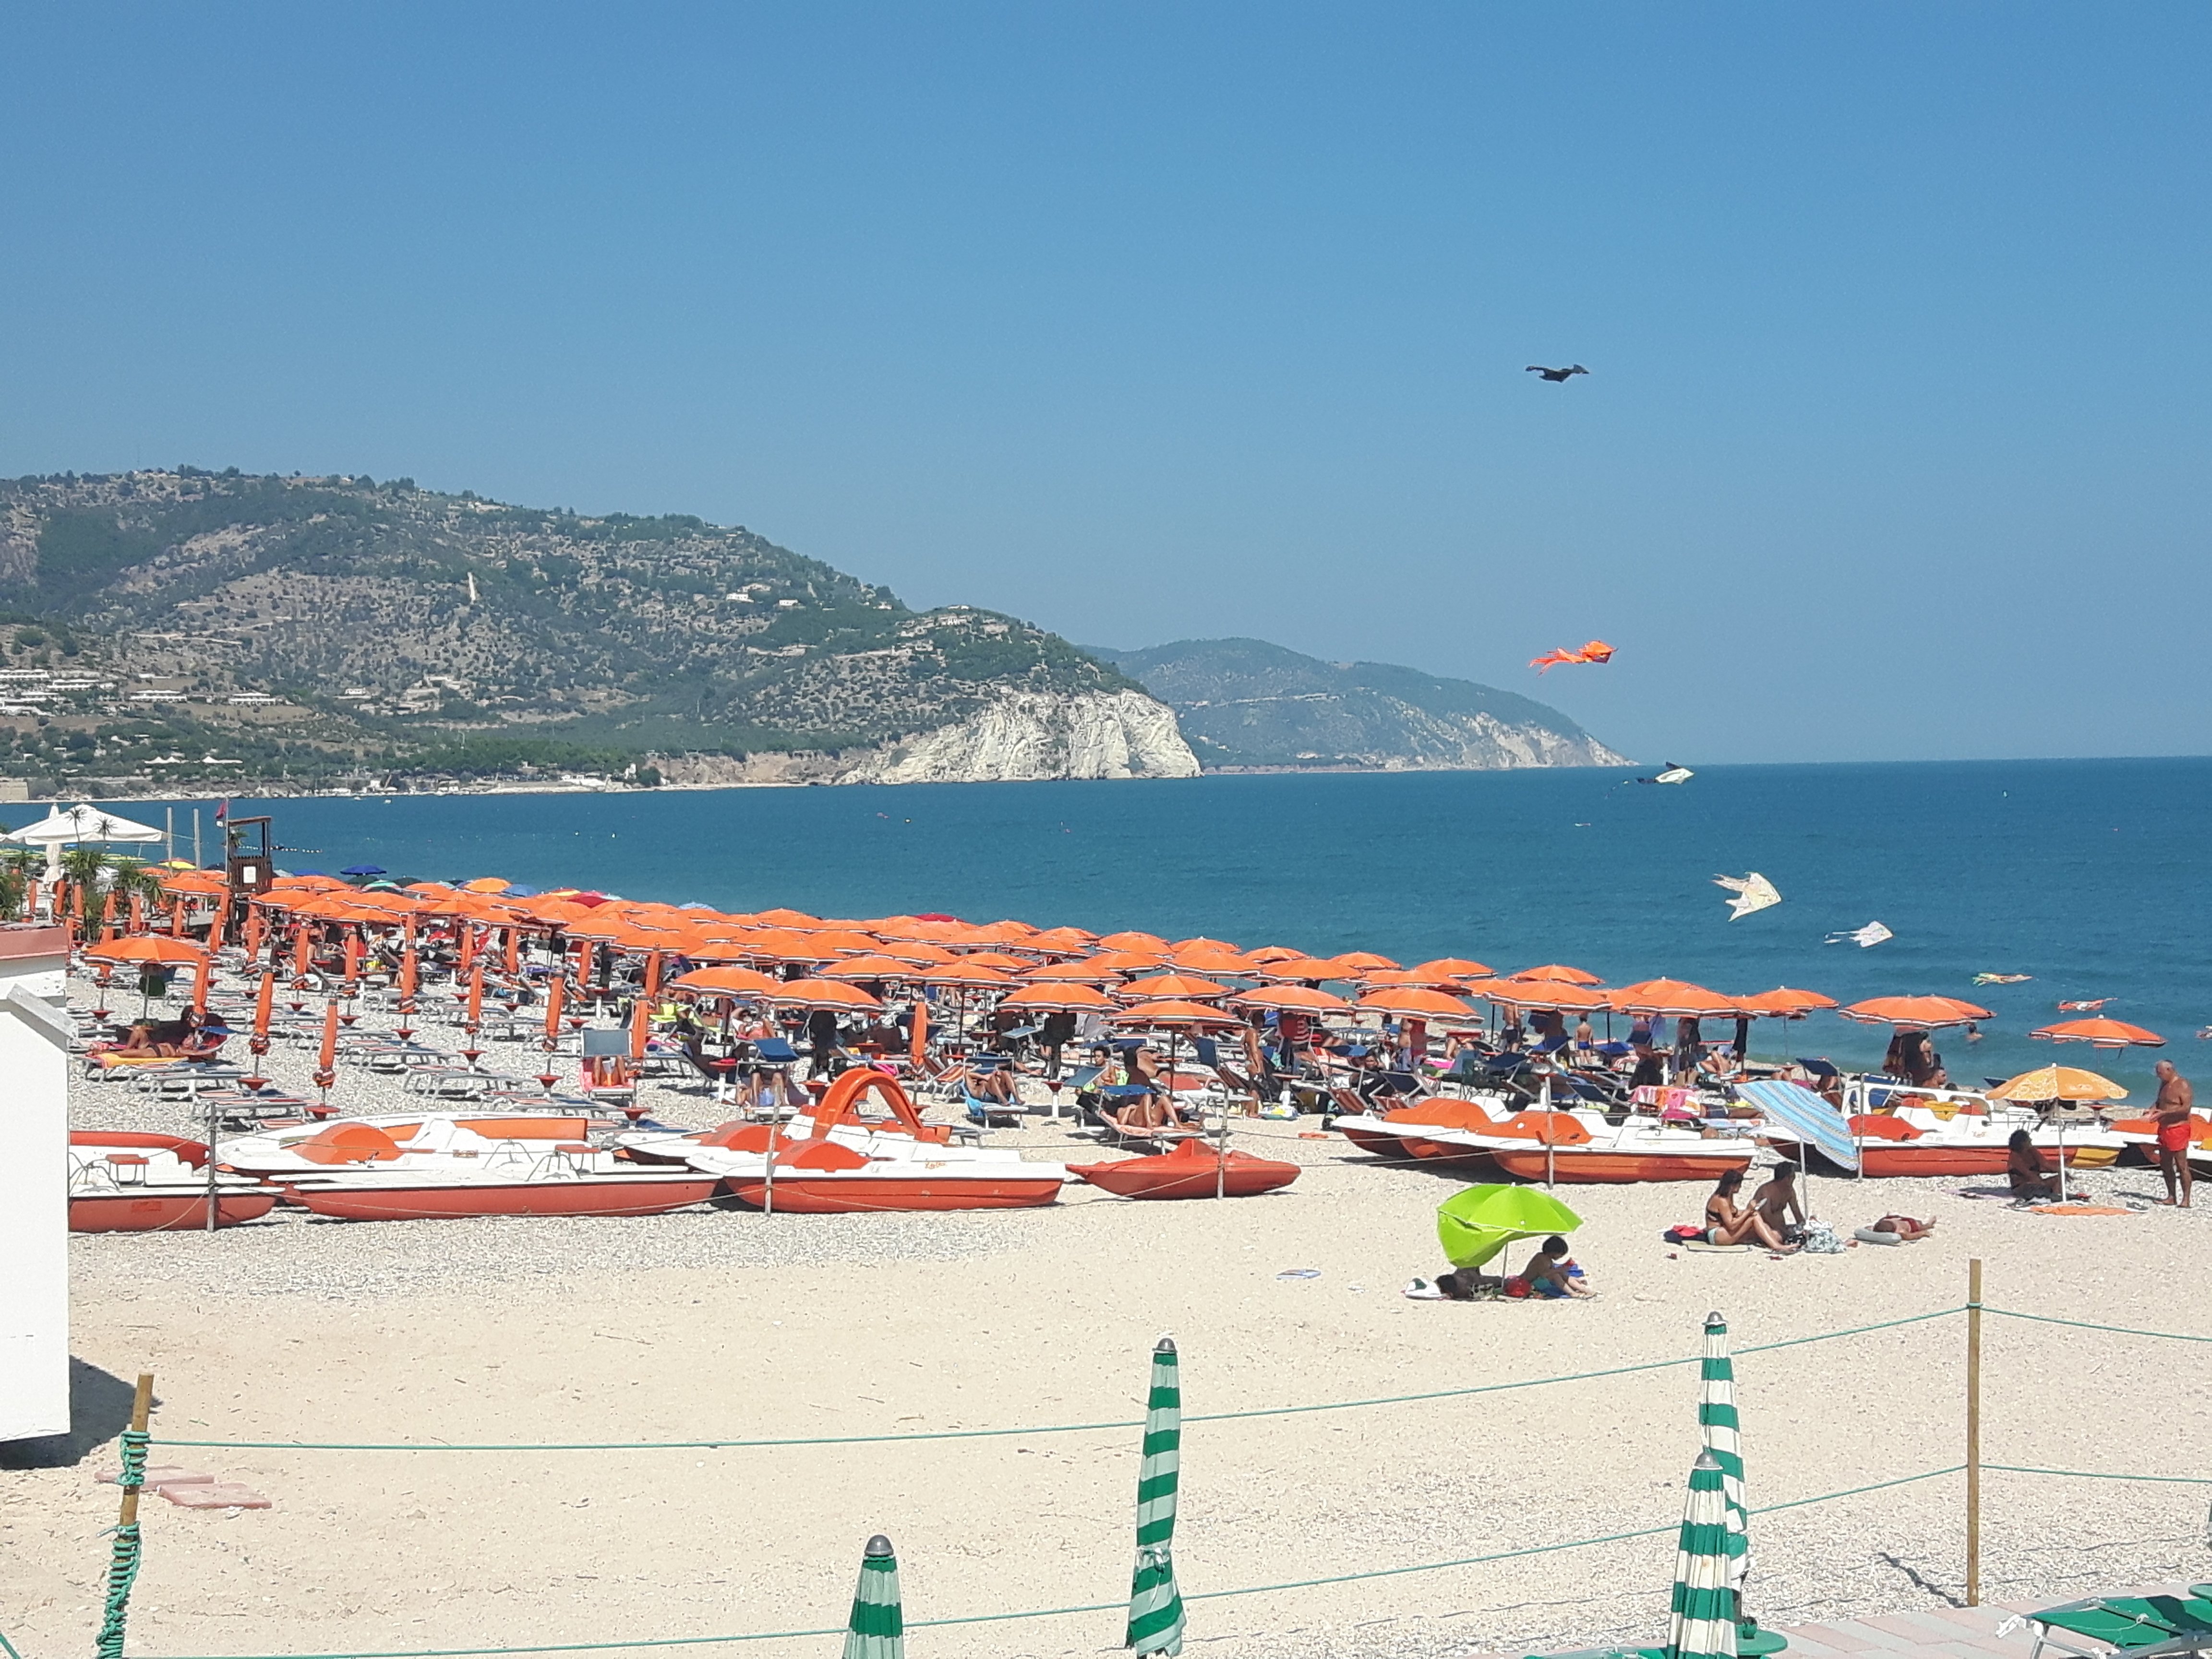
x=61, y=828
x=1918, y=1013
x=2100, y=1033
x=1811, y=1118
x=1673, y=999
x=1475, y=1225
x=2059, y=1082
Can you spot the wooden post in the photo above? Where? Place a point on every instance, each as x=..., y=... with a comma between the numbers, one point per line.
x=141, y=1407
x=1974, y=1432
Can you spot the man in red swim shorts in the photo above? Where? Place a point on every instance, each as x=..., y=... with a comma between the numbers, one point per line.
x=2175, y=1126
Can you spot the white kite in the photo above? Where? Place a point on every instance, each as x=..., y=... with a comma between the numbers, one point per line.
x=1753, y=892
x=1670, y=774
x=1873, y=934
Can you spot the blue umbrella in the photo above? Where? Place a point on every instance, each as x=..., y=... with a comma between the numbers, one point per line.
x=362, y=870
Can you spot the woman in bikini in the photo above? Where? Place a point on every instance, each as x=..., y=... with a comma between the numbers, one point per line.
x=1728, y=1223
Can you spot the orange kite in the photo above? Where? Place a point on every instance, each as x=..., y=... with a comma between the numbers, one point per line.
x=1595, y=651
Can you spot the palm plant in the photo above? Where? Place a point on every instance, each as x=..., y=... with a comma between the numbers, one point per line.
x=81, y=869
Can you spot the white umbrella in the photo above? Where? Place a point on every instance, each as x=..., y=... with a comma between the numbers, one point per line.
x=60, y=828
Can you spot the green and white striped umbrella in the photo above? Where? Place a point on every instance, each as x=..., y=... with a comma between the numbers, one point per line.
x=1155, y=1604
x=878, y=1628
x=1702, y=1625
x=1716, y=1421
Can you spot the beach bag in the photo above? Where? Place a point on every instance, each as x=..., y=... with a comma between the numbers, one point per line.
x=1682, y=1233
x=1517, y=1288
x=1821, y=1239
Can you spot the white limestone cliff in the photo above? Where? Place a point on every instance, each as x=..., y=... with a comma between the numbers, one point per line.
x=1031, y=735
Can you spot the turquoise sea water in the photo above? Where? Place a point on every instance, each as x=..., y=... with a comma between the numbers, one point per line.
x=2094, y=876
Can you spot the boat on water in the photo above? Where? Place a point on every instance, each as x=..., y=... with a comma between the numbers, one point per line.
x=133, y=1181
x=1191, y=1169
x=821, y=1174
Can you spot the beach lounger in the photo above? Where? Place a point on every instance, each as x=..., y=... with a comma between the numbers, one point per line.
x=2137, y=1626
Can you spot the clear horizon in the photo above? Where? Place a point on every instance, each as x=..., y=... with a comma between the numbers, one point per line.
x=1151, y=323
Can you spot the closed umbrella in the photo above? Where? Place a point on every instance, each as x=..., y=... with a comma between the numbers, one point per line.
x=1155, y=1619
x=326, y=1058
x=1702, y=1623
x=1717, y=1423
x=877, y=1629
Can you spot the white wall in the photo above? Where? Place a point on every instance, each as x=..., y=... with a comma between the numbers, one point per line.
x=34, y=1184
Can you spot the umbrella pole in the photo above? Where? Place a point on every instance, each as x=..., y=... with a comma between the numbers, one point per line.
x=211, y=1164
x=1551, y=1155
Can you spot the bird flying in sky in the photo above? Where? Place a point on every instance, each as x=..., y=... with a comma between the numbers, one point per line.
x=1753, y=892
x=1595, y=651
x=1557, y=376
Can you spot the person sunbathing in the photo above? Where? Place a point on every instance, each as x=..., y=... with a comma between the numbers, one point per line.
x=1728, y=1223
x=1904, y=1227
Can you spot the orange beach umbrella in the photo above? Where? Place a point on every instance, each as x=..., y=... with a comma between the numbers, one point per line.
x=1783, y=1003
x=1919, y=1013
x=1560, y=973
x=1060, y=999
x=151, y=952
x=1673, y=999
x=1172, y=1012
x=2059, y=1082
x=1415, y=1003
x=2100, y=1034
x=821, y=993
x=1293, y=1000
x=1174, y=984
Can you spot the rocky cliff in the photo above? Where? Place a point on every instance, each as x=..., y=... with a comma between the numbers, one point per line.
x=1248, y=705
x=1031, y=735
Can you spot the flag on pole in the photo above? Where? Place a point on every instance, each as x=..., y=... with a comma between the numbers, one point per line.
x=1156, y=1618
x=878, y=1627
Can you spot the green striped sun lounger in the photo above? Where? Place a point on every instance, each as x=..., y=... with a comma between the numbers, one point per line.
x=2132, y=1626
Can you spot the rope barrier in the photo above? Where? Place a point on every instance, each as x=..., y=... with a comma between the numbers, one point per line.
x=2088, y=1325
x=2100, y=1474
x=1052, y=1428
x=1118, y=1605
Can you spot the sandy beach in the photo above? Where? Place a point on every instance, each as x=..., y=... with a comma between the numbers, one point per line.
x=711, y=1325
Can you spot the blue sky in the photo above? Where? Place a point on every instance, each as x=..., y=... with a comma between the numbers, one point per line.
x=1154, y=321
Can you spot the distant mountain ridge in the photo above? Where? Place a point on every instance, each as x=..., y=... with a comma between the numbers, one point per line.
x=1245, y=704
x=189, y=627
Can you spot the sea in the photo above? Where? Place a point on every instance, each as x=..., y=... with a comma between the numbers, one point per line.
x=2092, y=877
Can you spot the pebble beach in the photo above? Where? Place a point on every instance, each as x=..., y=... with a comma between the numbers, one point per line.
x=715, y=1325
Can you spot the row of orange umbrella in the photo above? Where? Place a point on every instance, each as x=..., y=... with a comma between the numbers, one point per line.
x=1063, y=967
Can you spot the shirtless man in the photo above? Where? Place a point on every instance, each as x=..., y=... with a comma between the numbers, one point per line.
x=2172, y=1112
x=1778, y=1202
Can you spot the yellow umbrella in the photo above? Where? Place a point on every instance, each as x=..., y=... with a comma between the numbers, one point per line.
x=2059, y=1082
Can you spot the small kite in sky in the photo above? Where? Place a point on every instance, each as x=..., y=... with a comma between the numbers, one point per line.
x=1865, y=937
x=1753, y=892
x=2083, y=1007
x=1557, y=376
x=2002, y=979
x=1670, y=773
x=1595, y=651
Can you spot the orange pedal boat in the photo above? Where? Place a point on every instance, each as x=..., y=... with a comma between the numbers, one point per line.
x=1192, y=1169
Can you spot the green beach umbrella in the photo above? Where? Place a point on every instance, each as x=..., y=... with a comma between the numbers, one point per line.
x=1155, y=1604
x=1702, y=1625
x=878, y=1627
x=1717, y=1423
x=1475, y=1225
